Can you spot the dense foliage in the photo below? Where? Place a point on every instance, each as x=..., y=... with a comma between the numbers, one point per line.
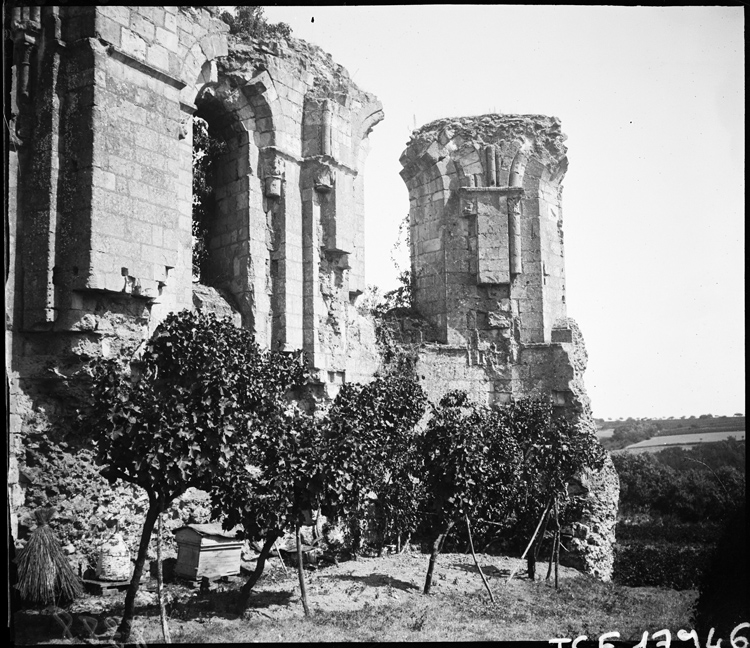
x=355, y=463
x=170, y=420
x=371, y=440
x=703, y=483
x=205, y=407
x=661, y=565
x=629, y=433
x=516, y=461
x=250, y=23
x=673, y=504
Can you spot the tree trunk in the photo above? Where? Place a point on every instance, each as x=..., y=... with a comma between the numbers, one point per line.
x=260, y=565
x=356, y=535
x=160, y=585
x=301, y=571
x=531, y=542
x=126, y=624
x=436, y=546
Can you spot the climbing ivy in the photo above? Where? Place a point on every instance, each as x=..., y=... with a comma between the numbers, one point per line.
x=207, y=147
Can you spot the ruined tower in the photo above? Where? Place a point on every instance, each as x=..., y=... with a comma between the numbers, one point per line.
x=489, y=277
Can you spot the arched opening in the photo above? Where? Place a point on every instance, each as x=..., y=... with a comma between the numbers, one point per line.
x=208, y=148
x=221, y=201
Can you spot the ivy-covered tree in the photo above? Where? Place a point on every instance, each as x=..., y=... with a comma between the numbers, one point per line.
x=470, y=458
x=517, y=460
x=555, y=451
x=277, y=477
x=175, y=417
x=295, y=464
x=371, y=437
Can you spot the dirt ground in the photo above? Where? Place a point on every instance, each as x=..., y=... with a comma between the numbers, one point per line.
x=372, y=581
x=348, y=586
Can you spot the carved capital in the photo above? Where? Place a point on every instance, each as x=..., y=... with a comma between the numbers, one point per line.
x=514, y=202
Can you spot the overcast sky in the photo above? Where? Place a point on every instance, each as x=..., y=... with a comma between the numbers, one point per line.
x=652, y=101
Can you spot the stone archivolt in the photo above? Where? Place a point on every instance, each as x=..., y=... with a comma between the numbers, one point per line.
x=99, y=213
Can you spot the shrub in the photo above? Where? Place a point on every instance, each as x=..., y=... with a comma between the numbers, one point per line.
x=664, y=565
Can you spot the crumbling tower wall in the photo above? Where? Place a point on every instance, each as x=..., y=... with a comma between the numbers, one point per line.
x=488, y=276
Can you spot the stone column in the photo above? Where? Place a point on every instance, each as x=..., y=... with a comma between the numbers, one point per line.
x=514, y=233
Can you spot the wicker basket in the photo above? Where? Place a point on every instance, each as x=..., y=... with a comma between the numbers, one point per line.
x=114, y=560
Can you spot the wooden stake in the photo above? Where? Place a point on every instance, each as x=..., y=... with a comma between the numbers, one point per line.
x=541, y=519
x=557, y=546
x=160, y=584
x=551, y=555
x=301, y=571
x=476, y=562
x=281, y=560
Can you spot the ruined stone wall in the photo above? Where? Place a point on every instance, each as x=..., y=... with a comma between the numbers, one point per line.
x=299, y=126
x=99, y=213
x=488, y=275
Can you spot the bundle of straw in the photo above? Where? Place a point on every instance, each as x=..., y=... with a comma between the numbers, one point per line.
x=44, y=573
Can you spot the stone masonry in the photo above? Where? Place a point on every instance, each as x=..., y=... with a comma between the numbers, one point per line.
x=99, y=169
x=489, y=278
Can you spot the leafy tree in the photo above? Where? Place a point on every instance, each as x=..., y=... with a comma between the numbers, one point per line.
x=371, y=440
x=554, y=452
x=642, y=480
x=469, y=466
x=172, y=418
x=293, y=463
x=632, y=432
x=277, y=477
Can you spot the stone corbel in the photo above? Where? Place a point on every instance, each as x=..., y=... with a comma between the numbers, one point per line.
x=324, y=179
x=273, y=176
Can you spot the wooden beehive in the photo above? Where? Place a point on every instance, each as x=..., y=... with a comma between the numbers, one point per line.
x=206, y=550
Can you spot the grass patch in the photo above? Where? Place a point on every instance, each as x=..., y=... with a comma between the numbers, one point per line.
x=522, y=611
